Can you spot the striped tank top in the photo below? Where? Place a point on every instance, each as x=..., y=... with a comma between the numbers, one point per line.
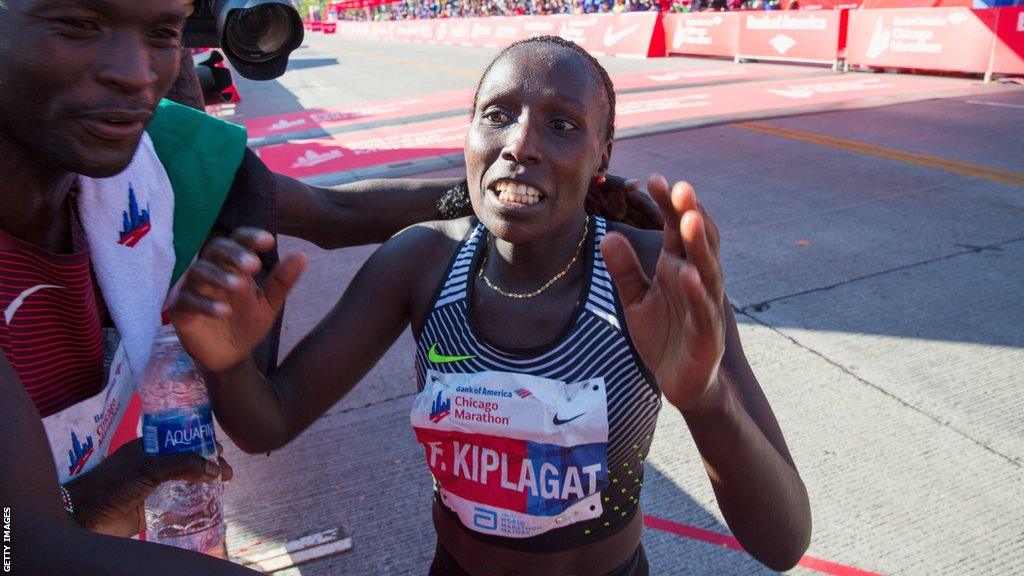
x=537, y=449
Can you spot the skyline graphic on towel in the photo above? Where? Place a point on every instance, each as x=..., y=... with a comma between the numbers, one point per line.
x=79, y=453
x=136, y=223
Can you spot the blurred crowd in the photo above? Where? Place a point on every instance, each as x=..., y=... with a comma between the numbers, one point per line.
x=425, y=9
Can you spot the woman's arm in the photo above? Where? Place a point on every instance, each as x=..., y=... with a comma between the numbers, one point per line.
x=756, y=483
x=220, y=320
x=684, y=328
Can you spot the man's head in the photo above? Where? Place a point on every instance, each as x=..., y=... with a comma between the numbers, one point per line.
x=80, y=79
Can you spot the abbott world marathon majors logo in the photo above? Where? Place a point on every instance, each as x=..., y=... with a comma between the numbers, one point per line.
x=512, y=454
x=911, y=34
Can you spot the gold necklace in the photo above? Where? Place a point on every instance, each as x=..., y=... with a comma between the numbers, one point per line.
x=555, y=278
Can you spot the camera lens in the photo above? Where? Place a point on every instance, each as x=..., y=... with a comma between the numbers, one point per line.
x=258, y=34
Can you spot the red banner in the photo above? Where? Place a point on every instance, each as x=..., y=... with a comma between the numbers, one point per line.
x=948, y=39
x=702, y=33
x=631, y=34
x=800, y=36
x=1008, y=56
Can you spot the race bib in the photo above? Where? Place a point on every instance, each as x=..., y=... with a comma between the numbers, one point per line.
x=515, y=455
x=80, y=435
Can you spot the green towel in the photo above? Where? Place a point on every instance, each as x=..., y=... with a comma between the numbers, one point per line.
x=201, y=155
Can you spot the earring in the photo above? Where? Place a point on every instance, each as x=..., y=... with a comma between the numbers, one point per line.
x=599, y=180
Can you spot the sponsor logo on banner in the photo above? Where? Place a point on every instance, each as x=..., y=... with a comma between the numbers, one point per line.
x=680, y=35
x=879, y=42
x=786, y=22
x=479, y=30
x=695, y=31
x=613, y=38
x=312, y=158
x=506, y=32
x=575, y=29
x=283, y=124
x=782, y=43
x=535, y=28
x=911, y=34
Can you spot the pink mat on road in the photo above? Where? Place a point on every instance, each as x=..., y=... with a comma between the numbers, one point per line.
x=366, y=148
x=402, y=143
x=697, y=76
x=306, y=120
x=267, y=126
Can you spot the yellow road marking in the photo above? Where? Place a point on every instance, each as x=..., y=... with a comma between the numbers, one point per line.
x=1001, y=175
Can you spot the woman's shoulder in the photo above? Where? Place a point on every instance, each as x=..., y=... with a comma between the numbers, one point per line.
x=431, y=240
x=420, y=256
x=646, y=243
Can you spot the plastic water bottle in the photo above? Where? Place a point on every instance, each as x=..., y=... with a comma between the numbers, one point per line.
x=177, y=418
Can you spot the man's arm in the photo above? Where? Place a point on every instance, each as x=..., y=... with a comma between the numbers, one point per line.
x=371, y=211
x=44, y=539
x=365, y=212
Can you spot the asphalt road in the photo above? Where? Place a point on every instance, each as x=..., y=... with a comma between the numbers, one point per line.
x=875, y=256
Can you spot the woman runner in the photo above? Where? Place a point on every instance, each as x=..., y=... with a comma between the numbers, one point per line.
x=546, y=340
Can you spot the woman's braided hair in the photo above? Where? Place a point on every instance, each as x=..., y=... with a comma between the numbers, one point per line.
x=607, y=201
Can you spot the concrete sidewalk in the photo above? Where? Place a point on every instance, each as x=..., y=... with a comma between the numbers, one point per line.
x=880, y=303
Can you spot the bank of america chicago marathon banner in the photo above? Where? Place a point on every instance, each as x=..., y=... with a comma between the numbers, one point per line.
x=946, y=39
x=515, y=455
x=798, y=36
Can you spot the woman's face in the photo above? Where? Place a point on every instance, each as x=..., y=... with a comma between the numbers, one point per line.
x=536, y=141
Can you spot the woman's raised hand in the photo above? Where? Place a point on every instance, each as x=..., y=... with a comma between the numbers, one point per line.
x=221, y=312
x=677, y=318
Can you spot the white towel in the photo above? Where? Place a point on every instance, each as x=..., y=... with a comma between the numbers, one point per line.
x=128, y=220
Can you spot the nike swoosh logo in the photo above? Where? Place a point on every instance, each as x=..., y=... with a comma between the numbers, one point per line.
x=437, y=358
x=611, y=38
x=558, y=421
x=17, y=302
